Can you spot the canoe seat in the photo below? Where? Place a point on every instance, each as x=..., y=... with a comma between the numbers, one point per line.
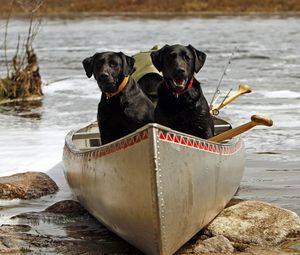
x=87, y=140
x=220, y=128
x=86, y=135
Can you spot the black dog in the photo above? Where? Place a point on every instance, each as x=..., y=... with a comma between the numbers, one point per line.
x=181, y=104
x=123, y=107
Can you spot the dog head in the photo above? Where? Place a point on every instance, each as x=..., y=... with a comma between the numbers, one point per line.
x=109, y=69
x=178, y=64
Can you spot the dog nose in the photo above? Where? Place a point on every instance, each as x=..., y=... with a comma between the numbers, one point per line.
x=104, y=75
x=180, y=70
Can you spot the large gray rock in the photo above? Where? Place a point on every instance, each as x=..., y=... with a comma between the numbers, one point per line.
x=253, y=222
x=27, y=185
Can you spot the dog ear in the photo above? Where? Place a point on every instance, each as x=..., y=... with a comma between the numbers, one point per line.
x=157, y=58
x=128, y=64
x=88, y=66
x=199, y=58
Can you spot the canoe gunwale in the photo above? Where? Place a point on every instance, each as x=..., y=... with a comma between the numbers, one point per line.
x=71, y=146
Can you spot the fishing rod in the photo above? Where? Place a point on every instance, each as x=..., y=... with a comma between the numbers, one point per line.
x=218, y=92
x=227, y=95
x=215, y=110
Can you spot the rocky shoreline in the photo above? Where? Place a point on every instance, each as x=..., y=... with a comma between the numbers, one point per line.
x=65, y=227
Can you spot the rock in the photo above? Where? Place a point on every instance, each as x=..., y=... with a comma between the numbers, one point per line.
x=292, y=245
x=27, y=185
x=63, y=228
x=69, y=208
x=15, y=228
x=234, y=201
x=9, y=244
x=8, y=241
x=253, y=222
x=254, y=250
x=217, y=244
x=62, y=211
x=67, y=228
x=15, y=239
x=64, y=208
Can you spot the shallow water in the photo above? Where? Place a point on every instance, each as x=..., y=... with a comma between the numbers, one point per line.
x=266, y=56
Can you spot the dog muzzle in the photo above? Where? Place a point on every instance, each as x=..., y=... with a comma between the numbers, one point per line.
x=181, y=86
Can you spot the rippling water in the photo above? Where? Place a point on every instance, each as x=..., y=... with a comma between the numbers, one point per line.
x=266, y=56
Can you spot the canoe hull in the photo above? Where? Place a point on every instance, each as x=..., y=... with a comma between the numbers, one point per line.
x=155, y=188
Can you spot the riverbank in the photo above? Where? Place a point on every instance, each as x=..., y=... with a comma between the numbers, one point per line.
x=160, y=15
x=157, y=8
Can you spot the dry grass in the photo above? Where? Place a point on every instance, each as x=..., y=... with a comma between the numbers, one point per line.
x=148, y=6
x=22, y=82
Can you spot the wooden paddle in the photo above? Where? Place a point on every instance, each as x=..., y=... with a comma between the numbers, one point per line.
x=255, y=120
x=243, y=89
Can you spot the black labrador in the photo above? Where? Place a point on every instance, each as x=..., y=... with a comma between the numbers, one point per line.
x=181, y=104
x=123, y=107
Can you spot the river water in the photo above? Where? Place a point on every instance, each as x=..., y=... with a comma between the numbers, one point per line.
x=266, y=56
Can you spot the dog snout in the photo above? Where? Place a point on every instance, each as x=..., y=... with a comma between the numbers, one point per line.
x=104, y=75
x=180, y=71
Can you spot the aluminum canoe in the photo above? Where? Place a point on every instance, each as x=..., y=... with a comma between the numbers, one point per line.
x=155, y=188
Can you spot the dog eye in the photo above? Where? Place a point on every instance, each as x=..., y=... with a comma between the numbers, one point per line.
x=186, y=57
x=99, y=63
x=173, y=55
x=113, y=64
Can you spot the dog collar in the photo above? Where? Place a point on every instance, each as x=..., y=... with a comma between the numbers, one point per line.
x=177, y=94
x=121, y=86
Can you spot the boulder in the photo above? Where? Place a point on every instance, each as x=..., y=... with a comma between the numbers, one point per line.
x=253, y=222
x=68, y=208
x=217, y=244
x=62, y=211
x=27, y=185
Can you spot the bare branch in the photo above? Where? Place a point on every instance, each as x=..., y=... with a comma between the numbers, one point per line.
x=33, y=30
x=16, y=62
x=30, y=6
x=5, y=37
